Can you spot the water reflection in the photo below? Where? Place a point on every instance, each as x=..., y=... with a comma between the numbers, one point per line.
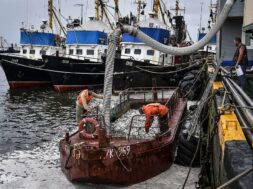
x=29, y=117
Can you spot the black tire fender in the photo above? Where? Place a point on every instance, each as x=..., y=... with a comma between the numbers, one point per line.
x=188, y=144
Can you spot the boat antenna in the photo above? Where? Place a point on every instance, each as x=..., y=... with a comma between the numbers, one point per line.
x=201, y=13
x=177, y=8
x=59, y=12
x=50, y=13
x=80, y=5
x=140, y=5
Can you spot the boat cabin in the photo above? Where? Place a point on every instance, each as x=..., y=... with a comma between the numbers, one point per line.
x=211, y=46
x=136, y=49
x=87, y=41
x=35, y=43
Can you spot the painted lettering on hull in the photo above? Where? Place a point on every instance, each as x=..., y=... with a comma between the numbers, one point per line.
x=120, y=151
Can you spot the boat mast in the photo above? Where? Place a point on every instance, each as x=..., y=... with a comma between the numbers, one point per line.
x=117, y=14
x=50, y=13
x=103, y=10
x=177, y=8
x=97, y=9
x=139, y=3
x=162, y=12
x=200, y=21
x=156, y=7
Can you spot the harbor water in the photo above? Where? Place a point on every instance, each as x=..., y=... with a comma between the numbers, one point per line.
x=32, y=121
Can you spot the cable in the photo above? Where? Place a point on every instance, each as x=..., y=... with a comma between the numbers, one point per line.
x=64, y=72
x=171, y=72
x=195, y=154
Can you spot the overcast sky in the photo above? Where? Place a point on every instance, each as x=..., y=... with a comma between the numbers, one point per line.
x=31, y=12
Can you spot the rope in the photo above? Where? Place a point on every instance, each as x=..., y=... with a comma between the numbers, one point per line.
x=64, y=72
x=120, y=160
x=171, y=72
x=195, y=154
x=236, y=178
x=176, y=65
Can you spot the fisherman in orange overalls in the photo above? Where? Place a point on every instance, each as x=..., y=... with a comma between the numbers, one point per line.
x=82, y=102
x=156, y=109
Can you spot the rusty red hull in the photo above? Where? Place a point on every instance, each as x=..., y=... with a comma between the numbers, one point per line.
x=144, y=161
x=122, y=161
x=20, y=84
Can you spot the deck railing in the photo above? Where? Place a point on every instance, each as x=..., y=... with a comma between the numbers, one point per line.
x=171, y=104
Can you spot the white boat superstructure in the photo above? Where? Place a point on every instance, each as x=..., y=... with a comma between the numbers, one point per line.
x=87, y=41
x=35, y=43
x=134, y=48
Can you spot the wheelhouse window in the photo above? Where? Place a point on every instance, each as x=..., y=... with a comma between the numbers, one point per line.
x=24, y=51
x=79, y=51
x=90, y=52
x=71, y=51
x=32, y=51
x=150, y=52
x=42, y=52
x=127, y=51
x=137, y=51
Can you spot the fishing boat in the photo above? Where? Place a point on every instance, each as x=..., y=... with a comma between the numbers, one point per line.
x=123, y=160
x=136, y=64
x=82, y=65
x=5, y=47
x=25, y=69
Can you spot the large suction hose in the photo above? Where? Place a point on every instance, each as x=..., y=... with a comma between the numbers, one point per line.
x=109, y=68
x=184, y=50
x=114, y=39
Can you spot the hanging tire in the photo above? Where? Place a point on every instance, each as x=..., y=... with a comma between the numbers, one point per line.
x=190, y=145
x=185, y=152
x=186, y=161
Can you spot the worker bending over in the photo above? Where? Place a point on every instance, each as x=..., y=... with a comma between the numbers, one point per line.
x=156, y=109
x=83, y=101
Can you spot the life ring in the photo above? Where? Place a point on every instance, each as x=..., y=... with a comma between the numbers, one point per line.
x=84, y=133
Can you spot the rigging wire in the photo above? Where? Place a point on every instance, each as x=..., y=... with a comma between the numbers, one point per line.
x=170, y=72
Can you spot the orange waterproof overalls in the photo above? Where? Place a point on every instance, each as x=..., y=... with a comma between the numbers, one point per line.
x=159, y=110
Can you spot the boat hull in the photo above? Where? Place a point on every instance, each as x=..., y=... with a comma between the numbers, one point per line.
x=22, y=72
x=122, y=160
x=77, y=74
x=148, y=160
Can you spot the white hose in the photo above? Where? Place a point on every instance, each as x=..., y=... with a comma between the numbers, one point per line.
x=183, y=50
x=114, y=40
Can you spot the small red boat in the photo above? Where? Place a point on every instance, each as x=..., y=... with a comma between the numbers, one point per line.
x=102, y=158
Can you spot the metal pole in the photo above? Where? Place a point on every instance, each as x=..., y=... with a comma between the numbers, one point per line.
x=201, y=12
x=246, y=129
x=239, y=100
x=81, y=17
x=82, y=14
x=236, y=178
x=243, y=94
